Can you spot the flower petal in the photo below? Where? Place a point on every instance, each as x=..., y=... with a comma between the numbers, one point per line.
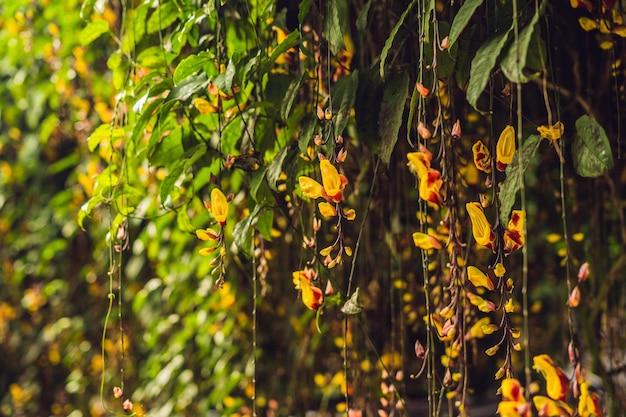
x=482, y=158
x=310, y=188
x=557, y=384
x=505, y=148
x=219, y=206
x=553, y=132
x=426, y=241
x=478, y=278
x=326, y=209
x=481, y=229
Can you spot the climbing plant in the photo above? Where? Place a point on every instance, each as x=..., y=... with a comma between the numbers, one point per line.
x=349, y=206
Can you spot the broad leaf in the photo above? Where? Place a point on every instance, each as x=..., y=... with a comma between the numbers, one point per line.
x=307, y=131
x=591, y=149
x=515, y=59
x=391, y=111
x=352, y=305
x=188, y=87
x=514, y=176
x=242, y=233
x=190, y=157
x=334, y=19
x=343, y=94
x=482, y=64
x=166, y=14
x=191, y=64
x=461, y=19
x=93, y=31
x=392, y=36
x=289, y=42
x=290, y=97
x=104, y=131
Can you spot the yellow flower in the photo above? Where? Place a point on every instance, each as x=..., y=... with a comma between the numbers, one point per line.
x=499, y=270
x=481, y=229
x=514, y=236
x=551, y=133
x=310, y=188
x=418, y=164
x=426, y=241
x=505, y=148
x=333, y=183
x=349, y=214
x=549, y=407
x=588, y=404
x=478, y=278
x=512, y=390
x=557, y=383
x=477, y=331
x=326, y=209
x=482, y=158
x=219, y=206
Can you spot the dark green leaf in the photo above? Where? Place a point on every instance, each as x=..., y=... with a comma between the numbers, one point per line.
x=591, y=149
x=482, y=64
x=352, y=305
x=188, y=87
x=333, y=23
x=191, y=64
x=392, y=36
x=224, y=81
x=276, y=167
x=93, y=31
x=391, y=111
x=242, y=233
x=190, y=157
x=303, y=9
x=265, y=223
x=462, y=18
x=307, y=131
x=290, y=97
x=361, y=19
x=514, y=176
x=514, y=60
x=343, y=94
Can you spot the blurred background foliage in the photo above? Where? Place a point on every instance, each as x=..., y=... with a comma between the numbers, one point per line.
x=118, y=118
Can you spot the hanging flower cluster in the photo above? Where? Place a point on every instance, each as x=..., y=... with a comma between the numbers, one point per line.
x=505, y=149
x=557, y=387
x=429, y=178
x=218, y=207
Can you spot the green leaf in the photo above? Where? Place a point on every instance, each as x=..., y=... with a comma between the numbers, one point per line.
x=343, y=94
x=391, y=111
x=191, y=64
x=333, y=22
x=166, y=14
x=242, y=233
x=276, y=167
x=482, y=64
x=188, y=87
x=352, y=305
x=361, y=19
x=265, y=223
x=290, y=97
x=515, y=58
x=591, y=149
x=303, y=10
x=102, y=132
x=392, y=36
x=87, y=208
x=224, y=81
x=93, y=31
x=461, y=19
x=307, y=131
x=514, y=176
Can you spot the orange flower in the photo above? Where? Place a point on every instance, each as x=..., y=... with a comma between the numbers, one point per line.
x=482, y=158
x=505, y=148
x=429, y=187
x=514, y=404
x=481, y=229
x=426, y=241
x=219, y=206
x=557, y=383
x=514, y=236
x=312, y=296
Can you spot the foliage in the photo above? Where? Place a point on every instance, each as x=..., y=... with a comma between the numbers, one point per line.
x=211, y=208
